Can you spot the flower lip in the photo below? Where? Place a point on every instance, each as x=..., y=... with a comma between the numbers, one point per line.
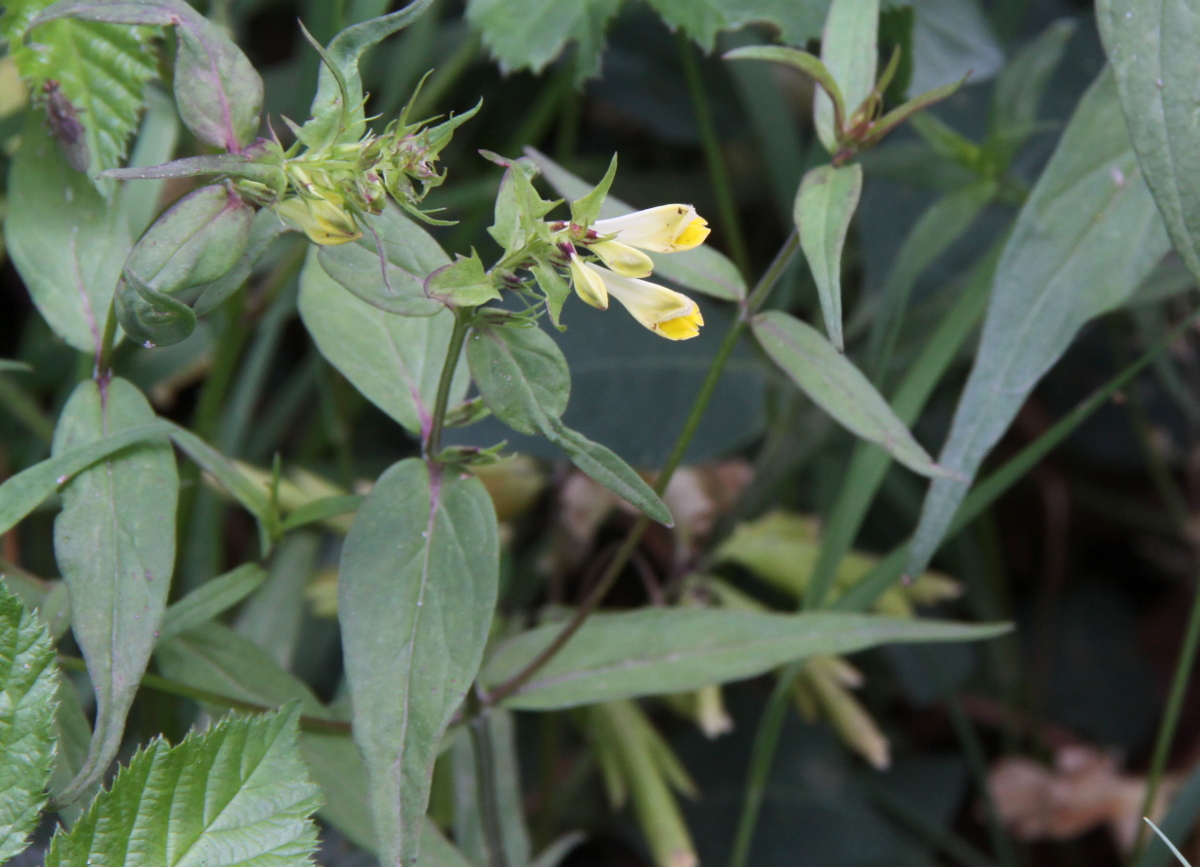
x=667, y=313
x=665, y=229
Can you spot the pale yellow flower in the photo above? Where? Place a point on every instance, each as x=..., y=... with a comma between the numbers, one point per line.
x=589, y=285
x=662, y=310
x=322, y=217
x=665, y=229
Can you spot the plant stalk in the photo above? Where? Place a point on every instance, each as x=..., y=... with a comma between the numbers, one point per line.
x=433, y=439
x=485, y=778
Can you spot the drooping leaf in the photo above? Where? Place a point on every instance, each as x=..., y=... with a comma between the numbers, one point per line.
x=416, y=592
x=210, y=600
x=237, y=794
x=824, y=207
x=702, y=269
x=660, y=650
x=1085, y=239
x=102, y=69
x=115, y=545
x=848, y=50
x=27, y=686
x=51, y=207
x=332, y=120
x=838, y=387
x=152, y=318
x=1150, y=47
x=395, y=361
x=217, y=90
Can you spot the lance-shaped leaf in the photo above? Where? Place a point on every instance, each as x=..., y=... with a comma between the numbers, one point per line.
x=838, y=387
x=210, y=600
x=101, y=71
x=1151, y=46
x=825, y=204
x=416, y=592
x=217, y=90
x=524, y=380
x=660, y=650
x=849, y=53
x=27, y=687
x=115, y=545
x=337, y=109
x=51, y=208
x=702, y=269
x=1085, y=239
x=236, y=794
x=395, y=361
x=230, y=165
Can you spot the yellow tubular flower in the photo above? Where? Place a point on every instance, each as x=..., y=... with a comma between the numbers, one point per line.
x=323, y=219
x=589, y=285
x=663, y=311
x=665, y=229
x=623, y=259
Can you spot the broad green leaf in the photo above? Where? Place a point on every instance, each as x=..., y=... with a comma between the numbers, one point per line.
x=217, y=90
x=1151, y=48
x=102, y=69
x=607, y=467
x=28, y=683
x=51, y=207
x=661, y=650
x=115, y=545
x=338, y=116
x=395, y=361
x=1087, y=236
x=521, y=374
x=264, y=229
x=529, y=34
x=210, y=600
x=416, y=592
x=499, y=727
x=838, y=387
x=395, y=283
x=24, y=492
x=237, y=794
x=702, y=269
x=825, y=205
x=848, y=50
x=796, y=22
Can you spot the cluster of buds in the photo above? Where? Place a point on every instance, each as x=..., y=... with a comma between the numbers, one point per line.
x=620, y=244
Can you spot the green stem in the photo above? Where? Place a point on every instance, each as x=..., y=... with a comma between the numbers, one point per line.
x=433, y=440
x=204, y=696
x=108, y=340
x=762, y=757
x=777, y=268
x=485, y=779
x=1166, y=731
x=717, y=172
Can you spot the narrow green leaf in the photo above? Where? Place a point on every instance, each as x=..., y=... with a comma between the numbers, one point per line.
x=1084, y=240
x=395, y=361
x=8, y=365
x=838, y=387
x=51, y=207
x=416, y=592
x=809, y=64
x=395, y=283
x=24, y=492
x=660, y=650
x=210, y=600
x=102, y=69
x=236, y=794
x=333, y=121
x=609, y=469
x=825, y=204
x=115, y=545
x=1151, y=48
x=240, y=486
x=870, y=463
x=703, y=269
x=274, y=618
x=521, y=374
x=586, y=209
x=1020, y=86
x=217, y=90
x=901, y=113
x=28, y=682
x=848, y=50
x=320, y=510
